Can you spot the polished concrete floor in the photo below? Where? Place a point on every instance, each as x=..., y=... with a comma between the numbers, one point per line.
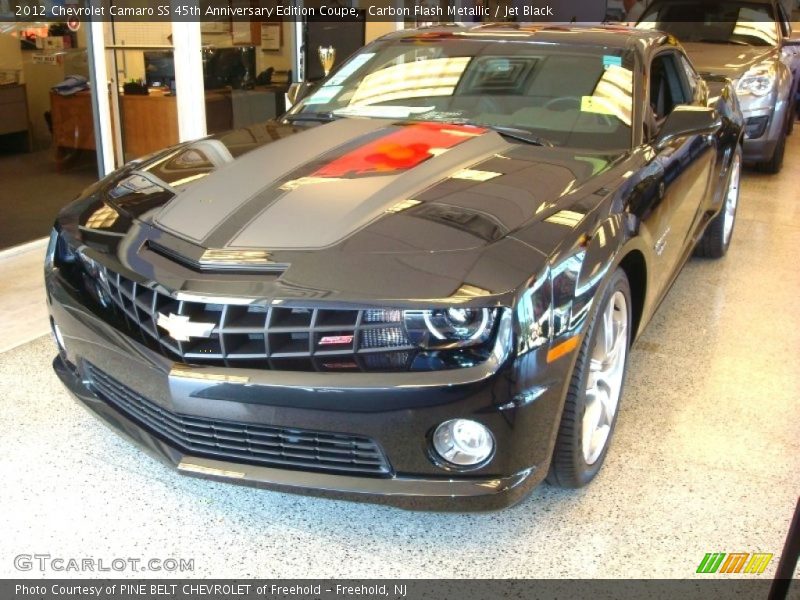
x=706, y=456
x=23, y=313
x=34, y=190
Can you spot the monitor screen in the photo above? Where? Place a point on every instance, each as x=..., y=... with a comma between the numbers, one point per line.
x=159, y=68
x=229, y=67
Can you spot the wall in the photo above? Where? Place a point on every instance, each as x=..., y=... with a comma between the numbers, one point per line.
x=10, y=54
x=280, y=60
x=130, y=63
x=40, y=77
x=376, y=29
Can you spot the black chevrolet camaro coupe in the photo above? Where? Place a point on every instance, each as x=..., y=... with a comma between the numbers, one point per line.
x=420, y=285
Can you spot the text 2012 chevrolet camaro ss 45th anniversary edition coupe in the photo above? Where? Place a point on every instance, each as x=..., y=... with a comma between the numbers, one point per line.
x=420, y=285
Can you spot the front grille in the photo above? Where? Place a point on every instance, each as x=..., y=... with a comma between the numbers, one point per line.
x=278, y=447
x=258, y=335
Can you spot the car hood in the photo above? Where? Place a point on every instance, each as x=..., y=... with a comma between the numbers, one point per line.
x=355, y=208
x=368, y=184
x=728, y=60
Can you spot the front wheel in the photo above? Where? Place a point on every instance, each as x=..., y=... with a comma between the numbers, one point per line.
x=590, y=408
x=717, y=236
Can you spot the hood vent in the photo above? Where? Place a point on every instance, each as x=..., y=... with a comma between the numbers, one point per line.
x=222, y=260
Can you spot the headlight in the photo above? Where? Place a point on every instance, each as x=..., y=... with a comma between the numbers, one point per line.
x=758, y=81
x=455, y=327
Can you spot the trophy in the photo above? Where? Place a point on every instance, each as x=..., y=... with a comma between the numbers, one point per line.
x=326, y=58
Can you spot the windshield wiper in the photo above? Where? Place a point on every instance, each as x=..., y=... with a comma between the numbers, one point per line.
x=515, y=133
x=521, y=135
x=319, y=117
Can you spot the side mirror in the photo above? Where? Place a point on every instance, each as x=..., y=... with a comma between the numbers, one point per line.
x=297, y=91
x=687, y=120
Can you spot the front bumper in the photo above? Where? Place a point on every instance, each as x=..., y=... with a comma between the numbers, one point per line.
x=761, y=148
x=398, y=411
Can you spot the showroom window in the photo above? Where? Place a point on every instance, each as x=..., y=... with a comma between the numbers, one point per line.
x=165, y=81
x=48, y=152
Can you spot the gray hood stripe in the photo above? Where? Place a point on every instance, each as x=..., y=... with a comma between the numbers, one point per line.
x=238, y=221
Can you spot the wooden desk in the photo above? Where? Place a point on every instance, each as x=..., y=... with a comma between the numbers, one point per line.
x=73, y=125
x=149, y=123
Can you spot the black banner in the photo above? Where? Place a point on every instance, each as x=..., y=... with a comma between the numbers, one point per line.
x=374, y=589
x=211, y=11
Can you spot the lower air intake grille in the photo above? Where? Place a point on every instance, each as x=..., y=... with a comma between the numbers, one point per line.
x=279, y=447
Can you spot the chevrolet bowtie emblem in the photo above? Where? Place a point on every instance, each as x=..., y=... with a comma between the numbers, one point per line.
x=180, y=328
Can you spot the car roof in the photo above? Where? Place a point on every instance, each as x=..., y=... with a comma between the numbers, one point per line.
x=619, y=36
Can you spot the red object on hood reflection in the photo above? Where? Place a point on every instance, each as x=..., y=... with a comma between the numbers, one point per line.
x=399, y=150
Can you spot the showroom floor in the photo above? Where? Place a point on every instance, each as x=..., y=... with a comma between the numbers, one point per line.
x=34, y=190
x=706, y=456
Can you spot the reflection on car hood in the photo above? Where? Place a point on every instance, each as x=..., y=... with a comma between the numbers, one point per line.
x=364, y=185
x=353, y=210
x=729, y=60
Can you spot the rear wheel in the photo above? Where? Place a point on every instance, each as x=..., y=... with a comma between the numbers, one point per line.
x=590, y=408
x=718, y=234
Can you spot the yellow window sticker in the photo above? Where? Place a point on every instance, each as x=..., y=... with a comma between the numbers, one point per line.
x=596, y=104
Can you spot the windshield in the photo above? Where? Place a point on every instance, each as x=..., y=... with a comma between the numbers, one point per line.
x=574, y=96
x=714, y=22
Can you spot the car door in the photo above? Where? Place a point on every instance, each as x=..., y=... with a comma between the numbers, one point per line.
x=685, y=163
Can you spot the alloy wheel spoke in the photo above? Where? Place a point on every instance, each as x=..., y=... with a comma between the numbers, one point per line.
x=595, y=366
x=604, y=378
x=591, y=422
x=606, y=404
x=608, y=328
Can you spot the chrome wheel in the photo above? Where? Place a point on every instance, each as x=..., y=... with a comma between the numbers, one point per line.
x=731, y=199
x=604, y=380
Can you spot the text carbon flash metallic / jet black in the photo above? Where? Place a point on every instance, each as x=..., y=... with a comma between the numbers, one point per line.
x=420, y=285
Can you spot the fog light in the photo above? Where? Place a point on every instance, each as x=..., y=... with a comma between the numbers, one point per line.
x=755, y=127
x=463, y=442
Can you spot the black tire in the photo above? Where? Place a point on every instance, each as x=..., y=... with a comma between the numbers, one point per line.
x=713, y=243
x=568, y=468
x=774, y=165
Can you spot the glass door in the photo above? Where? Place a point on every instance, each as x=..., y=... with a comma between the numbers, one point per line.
x=47, y=143
x=140, y=67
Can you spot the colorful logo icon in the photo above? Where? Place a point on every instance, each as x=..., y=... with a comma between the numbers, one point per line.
x=734, y=562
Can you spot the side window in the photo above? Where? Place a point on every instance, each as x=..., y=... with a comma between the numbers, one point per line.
x=691, y=76
x=668, y=87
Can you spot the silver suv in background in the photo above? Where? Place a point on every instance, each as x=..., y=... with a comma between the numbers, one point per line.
x=751, y=43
